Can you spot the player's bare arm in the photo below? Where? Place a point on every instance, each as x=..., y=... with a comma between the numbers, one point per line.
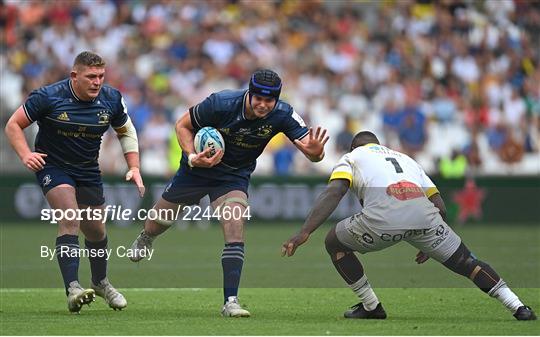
x=325, y=204
x=438, y=201
x=134, y=174
x=127, y=135
x=14, y=132
x=312, y=145
x=185, y=135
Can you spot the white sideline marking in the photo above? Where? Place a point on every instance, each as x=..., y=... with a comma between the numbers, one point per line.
x=35, y=290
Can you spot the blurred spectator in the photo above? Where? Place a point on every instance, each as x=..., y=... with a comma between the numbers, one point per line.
x=154, y=144
x=412, y=128
x=472, y=153
x=283, y=159
x=453, y=167
x=444, y=108
x=469, y=66
x=511, y=151
x=345, y=137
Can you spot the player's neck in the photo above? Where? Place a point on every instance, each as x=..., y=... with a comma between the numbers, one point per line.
x=78, y=95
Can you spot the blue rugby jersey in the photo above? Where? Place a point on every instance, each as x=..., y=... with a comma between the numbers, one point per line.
x=70, y=130
x=245, y=139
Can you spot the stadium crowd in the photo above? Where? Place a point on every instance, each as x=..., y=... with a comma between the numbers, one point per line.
x=455, y=84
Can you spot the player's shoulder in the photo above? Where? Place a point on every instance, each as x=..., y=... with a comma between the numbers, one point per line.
x=228, y=96
x=110, y=93
x=283, y=109
x=60, y=88
x=227, y=100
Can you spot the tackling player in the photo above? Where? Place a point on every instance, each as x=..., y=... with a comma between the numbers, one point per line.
x=400, y=203
x=247, y=120
x=72, y=116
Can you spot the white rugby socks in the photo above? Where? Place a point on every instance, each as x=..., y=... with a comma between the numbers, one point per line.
x=367, y=296
x=506, y=296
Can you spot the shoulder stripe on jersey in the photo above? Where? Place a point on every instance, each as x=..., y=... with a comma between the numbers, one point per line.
x=195, y=112
x=341, y=175
x=26, y=113
x=431, y=191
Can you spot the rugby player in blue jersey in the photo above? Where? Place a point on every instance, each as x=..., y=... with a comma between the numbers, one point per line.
x=72, y=116
x=247, y=120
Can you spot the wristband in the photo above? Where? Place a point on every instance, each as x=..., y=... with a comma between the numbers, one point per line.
x=190, y=158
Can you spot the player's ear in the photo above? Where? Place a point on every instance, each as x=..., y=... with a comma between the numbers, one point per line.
x=73, y=74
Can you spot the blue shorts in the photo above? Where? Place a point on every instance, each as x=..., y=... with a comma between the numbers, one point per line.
x=88, y=191
x=189, y=189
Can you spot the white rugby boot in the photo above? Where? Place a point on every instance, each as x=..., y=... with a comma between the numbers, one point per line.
x=78, y=296
x=143, y=243
x=113, y=297
x=233, y=309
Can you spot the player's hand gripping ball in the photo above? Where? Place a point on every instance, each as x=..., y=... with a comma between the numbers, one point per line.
x=209, y=137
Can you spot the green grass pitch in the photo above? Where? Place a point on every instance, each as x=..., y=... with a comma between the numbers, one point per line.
x=178, y=292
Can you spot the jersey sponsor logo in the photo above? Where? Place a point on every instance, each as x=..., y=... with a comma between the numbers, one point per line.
x=405, y=190
x=243, y=131
x=63, y=116
x=46, y=180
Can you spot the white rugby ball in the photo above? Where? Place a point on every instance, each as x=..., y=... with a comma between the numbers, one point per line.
x=208, y=137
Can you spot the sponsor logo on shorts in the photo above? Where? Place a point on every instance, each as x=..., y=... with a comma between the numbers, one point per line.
x=442, y=235
x=46, y=180
x=367, y=238
x=405, y=190
x=399, y=236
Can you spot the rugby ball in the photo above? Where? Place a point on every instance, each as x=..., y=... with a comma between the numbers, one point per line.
x=208, y=137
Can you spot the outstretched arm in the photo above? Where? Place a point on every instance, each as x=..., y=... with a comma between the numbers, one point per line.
x=312, y=146
x=326, y=203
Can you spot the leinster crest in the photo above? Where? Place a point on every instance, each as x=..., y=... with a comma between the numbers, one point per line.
x=104, y=117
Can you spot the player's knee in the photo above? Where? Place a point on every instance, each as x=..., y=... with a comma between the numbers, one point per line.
x=333, y=246
x=463, y=262
x=69, y=226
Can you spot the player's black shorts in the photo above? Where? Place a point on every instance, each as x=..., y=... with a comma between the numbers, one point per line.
x=188, y=189
x=88, y=190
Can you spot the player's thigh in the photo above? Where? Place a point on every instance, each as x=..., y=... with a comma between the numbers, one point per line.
x=354, y=232
x=438, y=241
x=63, y=203
x=165, y=212
x=93, y=222
x=58, y=188
x=332, y=244
x=232, y=207
x=62, y=197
